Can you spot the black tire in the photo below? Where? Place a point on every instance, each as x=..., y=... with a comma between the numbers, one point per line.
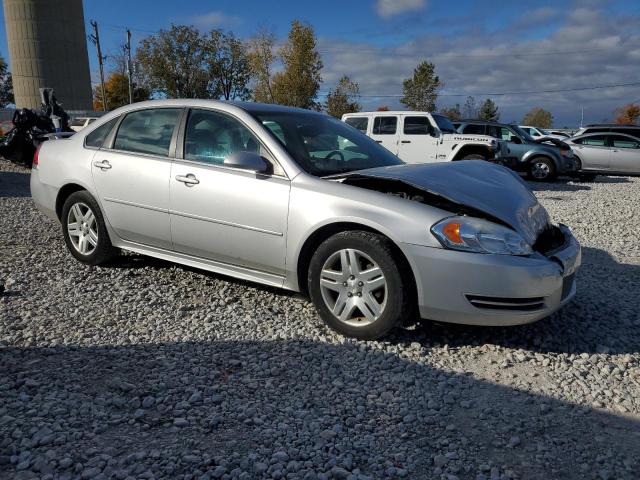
x=584, y=176
x=103, y=251
x=473, y=156
x=539, y=165
x=399, y=303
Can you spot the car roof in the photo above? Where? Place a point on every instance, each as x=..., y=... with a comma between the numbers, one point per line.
x=616, y=125
x=597, y=134
x=390, y=112
x=485, y=122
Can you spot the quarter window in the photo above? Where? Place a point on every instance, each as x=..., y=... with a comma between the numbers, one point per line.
x=416, y=126
x=96, y=138
x=385, y=125
x=211, y=137
x=361, y=123
x=147, y=131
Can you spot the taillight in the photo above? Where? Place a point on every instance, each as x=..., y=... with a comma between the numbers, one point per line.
x=34, y=164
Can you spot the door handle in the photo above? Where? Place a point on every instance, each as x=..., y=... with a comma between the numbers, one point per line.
x=615, y=150
x=378, y=141
x=189, y=179
x=405, y=141
x=103, y=165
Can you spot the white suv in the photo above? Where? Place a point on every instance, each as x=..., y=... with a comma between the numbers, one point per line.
x=422, y=137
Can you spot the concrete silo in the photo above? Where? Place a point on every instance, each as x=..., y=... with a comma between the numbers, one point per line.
x=48, y=48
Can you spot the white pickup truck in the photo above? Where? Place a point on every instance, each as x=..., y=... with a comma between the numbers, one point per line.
x=422, y=137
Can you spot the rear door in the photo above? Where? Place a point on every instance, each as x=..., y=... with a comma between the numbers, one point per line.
x=385, y=131
x=625, y=154
x=416, y=143
x=594, y=152
x=131, y=174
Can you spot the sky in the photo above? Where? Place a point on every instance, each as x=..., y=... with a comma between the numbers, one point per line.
x=519, y=53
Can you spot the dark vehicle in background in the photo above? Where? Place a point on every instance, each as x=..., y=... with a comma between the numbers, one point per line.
x=540, y=161
x=633, y=130
x=606, y=153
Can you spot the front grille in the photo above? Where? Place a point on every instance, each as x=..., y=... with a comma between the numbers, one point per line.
x=550, y=240
x=501, y=303
x=567, y=285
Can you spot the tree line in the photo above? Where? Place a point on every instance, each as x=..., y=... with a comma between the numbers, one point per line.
x=184, y=62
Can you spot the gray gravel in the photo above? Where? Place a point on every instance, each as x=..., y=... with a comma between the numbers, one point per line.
x=150, y=370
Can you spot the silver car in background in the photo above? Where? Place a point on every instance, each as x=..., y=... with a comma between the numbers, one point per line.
x=606, y=153
x=301, y=201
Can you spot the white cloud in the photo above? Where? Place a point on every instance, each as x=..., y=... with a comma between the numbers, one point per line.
x=215, y=19
x=598, y=49
x=390, y=8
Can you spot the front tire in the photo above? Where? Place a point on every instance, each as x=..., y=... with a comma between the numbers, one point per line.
x=84, y=230
x=542, y=169
x=359, y=286
x=474, y=156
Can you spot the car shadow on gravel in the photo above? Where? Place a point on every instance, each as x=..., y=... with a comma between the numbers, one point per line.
x=602, y=317
x=14, y=184
x=191, y=407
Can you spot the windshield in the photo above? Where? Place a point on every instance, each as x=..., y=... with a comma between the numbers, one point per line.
x=522, y=133
x=444, y=124
x=323, y=145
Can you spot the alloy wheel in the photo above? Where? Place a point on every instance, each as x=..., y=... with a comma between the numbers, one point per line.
x=540, y=170
x=82, y=227
x=353, y=287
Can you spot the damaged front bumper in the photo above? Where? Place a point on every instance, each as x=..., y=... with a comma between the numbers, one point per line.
x=480, y=289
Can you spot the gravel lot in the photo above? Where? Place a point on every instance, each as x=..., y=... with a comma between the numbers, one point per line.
x=150, y=370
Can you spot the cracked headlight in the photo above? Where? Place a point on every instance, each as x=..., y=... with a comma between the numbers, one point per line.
x=470, y=234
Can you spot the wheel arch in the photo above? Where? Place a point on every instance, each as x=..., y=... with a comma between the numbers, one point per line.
x=64, y=193
x=471, y=149
x=322, y=233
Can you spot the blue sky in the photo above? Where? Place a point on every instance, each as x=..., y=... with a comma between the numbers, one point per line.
x=478, y=47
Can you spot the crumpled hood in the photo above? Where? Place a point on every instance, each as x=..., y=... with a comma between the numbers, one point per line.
x=483, y=186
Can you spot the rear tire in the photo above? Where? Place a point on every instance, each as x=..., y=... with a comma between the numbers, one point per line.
x=359, y=286
x=84, y=230
x=542, y=169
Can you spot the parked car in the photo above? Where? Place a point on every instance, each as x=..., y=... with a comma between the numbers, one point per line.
x=608, y=153
x=299, y=200
x=540, y=133
x=79, y=123
x=422, y=137
x=541, y=162
x=633, y=130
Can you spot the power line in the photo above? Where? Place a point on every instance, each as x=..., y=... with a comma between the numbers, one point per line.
x=499, y=94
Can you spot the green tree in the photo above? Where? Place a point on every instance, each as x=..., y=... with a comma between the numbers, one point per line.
x=229, y=68
x=489, y=111
x=421, y=90
x=174, y=63
x=261, y=59
x=298, y=84
x=117, y=92
x=6, y=84
x=470, y=109
x=452, y=113
x=344, y=98
x=538, y=117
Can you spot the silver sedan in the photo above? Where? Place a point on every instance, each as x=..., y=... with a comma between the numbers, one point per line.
x=608, y=153
x=301, y=201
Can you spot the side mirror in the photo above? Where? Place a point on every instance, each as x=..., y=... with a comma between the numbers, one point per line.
x=516, y=140
x=247, y=161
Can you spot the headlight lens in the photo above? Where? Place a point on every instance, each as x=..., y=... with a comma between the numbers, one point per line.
x=470, y=234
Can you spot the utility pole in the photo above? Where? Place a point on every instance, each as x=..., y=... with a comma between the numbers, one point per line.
x=582, y=117
x=95, y=39
x=129, y=72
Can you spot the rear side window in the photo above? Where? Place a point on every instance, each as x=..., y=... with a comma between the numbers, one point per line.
x=385, y=125
x=416, y=126
x=96, y=138
x=147, y=131
x=618, y=141
x=361, y=123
